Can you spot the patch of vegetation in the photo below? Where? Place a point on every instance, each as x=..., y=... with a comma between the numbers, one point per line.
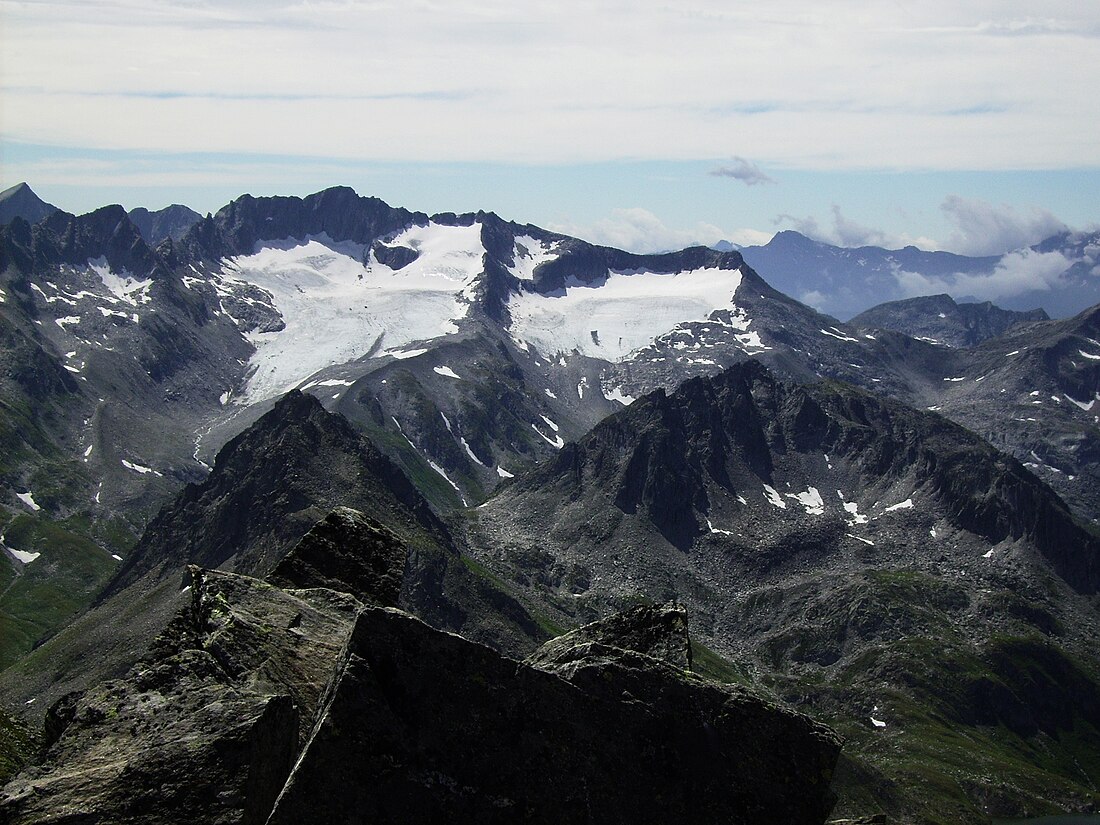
x=1010, y=727
x=16, y=747
x=51, y=590
x=706, y=662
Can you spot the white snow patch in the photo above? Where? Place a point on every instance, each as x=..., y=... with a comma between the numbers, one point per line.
x=581, y=388
x=858, y=538
x=71, y=368
x=139, y=468
x=23, y=555
x=1086, y=407
x=553, y=442
x=742, y=499
x=550, y=423
x=1089, y=355
x=117, y=557
x=125, y=287
x=446, y=422
x=445, y=371
x=550, y=394
x=617, y=394
x=446, y=478
x=504, y=473
x=836, y=333
x=223, y=399
x=961, y=378
x=932, y=532
x=527, y=254
x=28, y=499
x=901, y=505
x=328, y=382
x=772, y=495
x=878, y=723
x=470, y=452
x=811, y=500
x=989, y=554
x=336, y=309
x=623, y=313
x=852, y=508
x=714, y=529
x=88, y=451
x=1010, y=354
x=401, y=355
x=107, y=313
x=68, y=319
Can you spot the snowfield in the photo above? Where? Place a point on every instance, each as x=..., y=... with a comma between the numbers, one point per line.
x=337, y=309
x=628, y=311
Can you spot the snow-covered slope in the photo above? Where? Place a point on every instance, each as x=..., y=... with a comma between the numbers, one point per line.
x=623, y=313
x=338, y=303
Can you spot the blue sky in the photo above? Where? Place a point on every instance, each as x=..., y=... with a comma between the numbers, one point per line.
x=960, y=125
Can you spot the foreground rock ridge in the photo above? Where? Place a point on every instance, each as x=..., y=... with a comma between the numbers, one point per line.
x=294, y=703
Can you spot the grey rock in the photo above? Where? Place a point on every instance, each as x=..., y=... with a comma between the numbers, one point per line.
x=660, y=631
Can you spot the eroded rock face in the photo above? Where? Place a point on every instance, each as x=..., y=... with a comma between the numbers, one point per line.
x=659, y=631
x=349, y=552
x=424, y=726
x=205, y=730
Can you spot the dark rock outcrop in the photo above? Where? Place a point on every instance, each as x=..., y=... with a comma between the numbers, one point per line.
x=660, y=632
x=347, y=552
x=426, y=727
x=204, y=730
x=20, y=201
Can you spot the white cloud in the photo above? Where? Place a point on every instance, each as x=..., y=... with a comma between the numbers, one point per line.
x=849, y=233
x=560, y=81
x=639, y=230
x=1016, y=273
x=743, y=170
x=984, y=229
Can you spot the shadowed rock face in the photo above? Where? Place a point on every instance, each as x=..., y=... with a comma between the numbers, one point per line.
x=423, y=726
x=307, y=701
x=660, y=632
x=346, y=551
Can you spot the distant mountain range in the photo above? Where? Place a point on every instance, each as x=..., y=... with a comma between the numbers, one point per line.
x=888, y=523
x=1058, y=275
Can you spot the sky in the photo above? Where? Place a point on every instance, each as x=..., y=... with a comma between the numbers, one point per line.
x=964, y=125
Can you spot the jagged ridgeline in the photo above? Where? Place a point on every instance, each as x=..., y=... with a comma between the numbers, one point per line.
x=803, y=488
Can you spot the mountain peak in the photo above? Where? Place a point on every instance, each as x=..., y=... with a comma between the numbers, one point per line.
x=20, y=201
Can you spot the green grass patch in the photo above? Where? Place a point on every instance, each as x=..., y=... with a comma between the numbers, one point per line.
x=706, y=662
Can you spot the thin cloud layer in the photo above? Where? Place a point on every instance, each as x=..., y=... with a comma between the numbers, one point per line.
x=560, y=82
